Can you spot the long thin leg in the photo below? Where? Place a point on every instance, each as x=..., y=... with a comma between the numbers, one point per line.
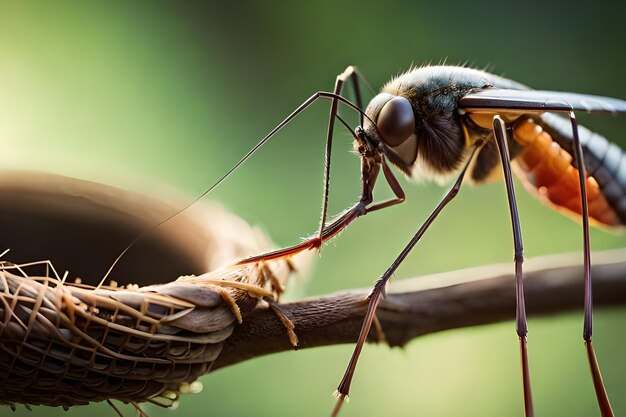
x=395, y=187
x=339, y=224
x=333, y=229
x=349, y=73
x=598, y=384
x=378, y=292
x=308, y=102
x=356, y=86
x=499, y=129
x=138, y=408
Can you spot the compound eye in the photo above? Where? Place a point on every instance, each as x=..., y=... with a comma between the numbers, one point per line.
x=396, y=121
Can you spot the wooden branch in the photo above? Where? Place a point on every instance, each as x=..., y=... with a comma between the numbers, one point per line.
x=430, y=304
x=82, y=226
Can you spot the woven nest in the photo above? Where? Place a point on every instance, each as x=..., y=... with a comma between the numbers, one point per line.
x=70, y=343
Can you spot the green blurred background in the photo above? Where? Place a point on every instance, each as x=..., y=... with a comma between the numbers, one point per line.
x=140, y=93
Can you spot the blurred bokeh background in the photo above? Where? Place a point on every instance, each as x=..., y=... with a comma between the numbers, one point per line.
x=138, y=94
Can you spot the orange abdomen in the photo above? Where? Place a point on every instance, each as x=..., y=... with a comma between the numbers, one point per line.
x=547, y=171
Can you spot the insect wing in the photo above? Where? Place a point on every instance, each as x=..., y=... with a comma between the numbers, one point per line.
x=537, y=100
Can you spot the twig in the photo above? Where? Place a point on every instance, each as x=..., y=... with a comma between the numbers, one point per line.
x=430, y=304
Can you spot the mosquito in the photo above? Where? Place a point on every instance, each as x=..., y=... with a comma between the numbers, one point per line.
x=462, y=124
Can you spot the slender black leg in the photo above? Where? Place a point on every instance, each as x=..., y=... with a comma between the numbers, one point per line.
x=499, y=129
x=349, y=73
x=117, y=411
x=601, y=395
x=378, y=292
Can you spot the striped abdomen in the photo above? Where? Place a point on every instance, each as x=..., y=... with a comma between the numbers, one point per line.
x=547, y=169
